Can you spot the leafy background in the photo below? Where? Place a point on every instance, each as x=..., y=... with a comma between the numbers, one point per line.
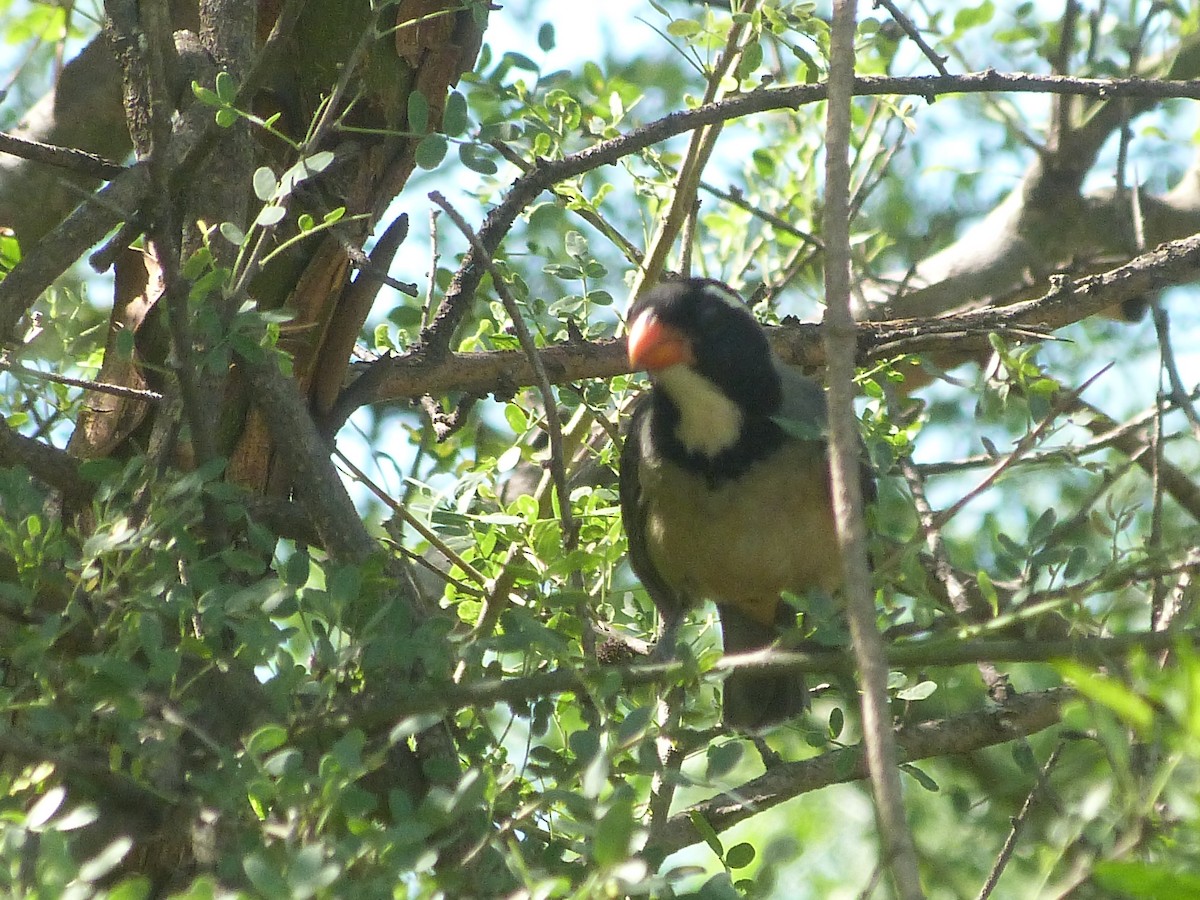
x=204, y=699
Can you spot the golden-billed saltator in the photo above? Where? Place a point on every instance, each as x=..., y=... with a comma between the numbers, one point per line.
x=725, y=482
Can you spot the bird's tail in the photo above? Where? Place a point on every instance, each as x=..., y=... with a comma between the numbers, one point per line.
x=754, y=701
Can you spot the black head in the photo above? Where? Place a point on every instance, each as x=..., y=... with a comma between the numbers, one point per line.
x=706, y=326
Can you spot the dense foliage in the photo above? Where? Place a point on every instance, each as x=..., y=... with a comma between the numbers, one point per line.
x=278, y=624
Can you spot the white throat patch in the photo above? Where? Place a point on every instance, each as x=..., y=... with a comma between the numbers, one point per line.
x=709, y=422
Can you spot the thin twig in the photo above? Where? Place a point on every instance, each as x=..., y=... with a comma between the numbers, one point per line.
x=1050, y=455
x=409, y=519
x=427, y=308
x=961, y=601
x=737, y=198
x=1060, y=107
x=1061, y=405
x=1179, y=394
x=700, y=148
x=68, y=158
x=1154, y=545
x=1010, y=843
x=906, y=24
x=592, y=217
x=1175, y=481
x=101, y=387
x=558, y=467
x=670, y=760
x=504, y=582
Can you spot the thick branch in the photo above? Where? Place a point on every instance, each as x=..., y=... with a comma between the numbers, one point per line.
x=504, y=372
x=306, y=455
x=17, y=295
x=527, y=187
x=46, y=463
x=82, y=111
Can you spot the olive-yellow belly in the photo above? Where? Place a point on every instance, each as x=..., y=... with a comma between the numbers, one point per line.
x=747, y=540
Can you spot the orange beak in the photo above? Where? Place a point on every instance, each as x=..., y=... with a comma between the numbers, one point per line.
x=653, y=345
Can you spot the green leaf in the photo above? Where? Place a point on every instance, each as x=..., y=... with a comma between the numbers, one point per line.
x=232, y=233
x=455, y=119
x=706, y=831
x=288, y=760
x=269, y=215
x=984, y=580
x=837, y=722
x=45, y=807
x=309, y=873
x=410, y=725
x=634, y=725
x=614, y=831
x=136, y=888
x=264, y=876
x=265, y=183
x=740, y=855
x=1022, y=755
x=1152, y=881
x=812, y=72
x=1042, y=527
x=226, y=87
x=266, y=739
x=595, y=777
x=752, y=57
x=683, y=28
x=105, y=861
x=919, y=691
x=516, y=418
x=720, y=759
x=1076, y=560
x=973, y=16
x=476, y=159
x=204, y=95
x=584, y=743
x=418, y=113
x=520, y=61
x=1111, y=693
x=431, y=151
x=921, y=778
x=79, y=817
x=301, y=171
x=576, y=245
x=545, y=37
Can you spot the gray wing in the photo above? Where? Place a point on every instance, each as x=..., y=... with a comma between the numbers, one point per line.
x=804, y=415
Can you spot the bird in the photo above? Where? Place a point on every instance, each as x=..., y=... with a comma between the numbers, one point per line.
x=724, y=483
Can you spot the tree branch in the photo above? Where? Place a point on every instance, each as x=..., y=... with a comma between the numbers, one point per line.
x=541, y=177
x=838, y=334
x=1023, y=715
x=918, y=654
x=963, y=336
x=78, y=161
